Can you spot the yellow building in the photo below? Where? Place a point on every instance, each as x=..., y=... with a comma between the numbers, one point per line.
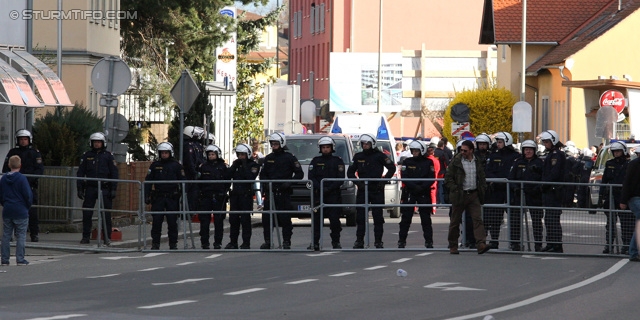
x=575, y=51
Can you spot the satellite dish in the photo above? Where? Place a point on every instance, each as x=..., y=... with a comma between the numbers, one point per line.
x=118, y=129
x=606, y=117
x=460, y=112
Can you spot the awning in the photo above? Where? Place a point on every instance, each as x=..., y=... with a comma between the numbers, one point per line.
x=601, y=84
x=18, y=65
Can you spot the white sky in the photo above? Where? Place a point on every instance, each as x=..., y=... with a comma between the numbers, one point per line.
x=260, y=10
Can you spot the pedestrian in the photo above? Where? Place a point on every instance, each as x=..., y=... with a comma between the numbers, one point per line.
x=323, y=166
x=431, y=148
x=447, y=151
x=164, y=196
x=482, y=151
x=498, y=167
x=443, y=161
x=630, y=199
x=553, y=171
x=405, y=150
x=212, y=197
x=256, y=155
x=16, y=198
x=243, y=168
x=466, y=182
x=528, y=169
x=370, y=163
x=279, y=165
x=97, y=163
x=192, y=158
x=417, y=192
x=31, y=160
x=614, y=173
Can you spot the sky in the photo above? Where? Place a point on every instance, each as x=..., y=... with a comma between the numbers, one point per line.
x=260, y=10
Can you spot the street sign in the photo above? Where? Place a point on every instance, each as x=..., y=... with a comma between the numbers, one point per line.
x=521, y=117
x=111, y=76
x=119, y=130
x=185, y=91
x=458, y=128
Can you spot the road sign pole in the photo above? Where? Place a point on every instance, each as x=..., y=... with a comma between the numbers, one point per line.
x=182, y=107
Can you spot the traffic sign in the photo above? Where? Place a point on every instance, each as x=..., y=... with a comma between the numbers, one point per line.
x=185, y=91
x=111, y=76
x=458, y=128
x=521, y=117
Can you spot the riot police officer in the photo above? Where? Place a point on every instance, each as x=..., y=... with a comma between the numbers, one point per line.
x=212, y=196
x=417, y=192
x=483, y=142
x=192, y=158
x=527, y=168
x=164, y=196
x=96, y=163
x=498, y=166
x=553, y=171
x=370, y=163
x=31, y=160
x=571, y=174
x=585, y=165
x=614, y=172
x=243, y=168
x=327, y=166
x=279, y=165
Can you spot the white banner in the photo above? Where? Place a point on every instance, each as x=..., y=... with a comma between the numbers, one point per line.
x=227, y=55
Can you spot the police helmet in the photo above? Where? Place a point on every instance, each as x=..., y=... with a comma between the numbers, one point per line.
x=588, y=153
x=483, y=138
x=458, y=145
x=368, y=138
x=98, y=136
x=327, y=141
x=211, y=138
x=278, y=137
x=166, y=146
x=417, y=145
x=188, y=131
x=244, y=148
x=407, y=142
x=528, y=144
x=619, y=145
x=214, y=149
x=435, y=140
x=24, y=133
x=570, y=144
x=550, y=135
x=506, y=137
x=198, y=132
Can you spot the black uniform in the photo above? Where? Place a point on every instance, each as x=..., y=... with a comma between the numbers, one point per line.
x=192, y=157
x=417, y=192
x=164, y=197
x=242, y=200
x=279, y=165
x=553, y=171
x=370, y=164
x=327, y=166
x=614, y=173
x=526, y=170
x=583, y=192
x=31, y=161
x=212, y=197
x=96, y=163
x=571, y=174
x=498, y=166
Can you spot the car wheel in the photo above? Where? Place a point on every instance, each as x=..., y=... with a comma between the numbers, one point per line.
x=394, y=212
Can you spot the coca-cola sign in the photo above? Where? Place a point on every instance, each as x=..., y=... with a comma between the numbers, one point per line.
x=613, y=98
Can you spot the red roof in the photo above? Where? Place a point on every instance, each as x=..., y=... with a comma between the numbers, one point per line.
x=547, y=20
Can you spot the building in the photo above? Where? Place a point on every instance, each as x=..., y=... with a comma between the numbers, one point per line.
x=589, y=48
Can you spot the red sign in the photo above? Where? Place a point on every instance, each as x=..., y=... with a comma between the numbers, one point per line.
x=613, y=98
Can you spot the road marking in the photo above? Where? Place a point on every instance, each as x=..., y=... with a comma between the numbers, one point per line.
x=341, y=274
x=66, y=316
x=168, y=304
x=401, y=260
x=445, y=286
x=235, y=293
x=327, y=253
x=185, y=263
x=423, y=254
x=213, y=256
x=148, y=255
x=39, y=283
x=375, y=267
x=302, y=281
x=104, y=276
x=410, y=232
x=547, y=295
x=151, y=269
x=529, y=256
x=181, y=281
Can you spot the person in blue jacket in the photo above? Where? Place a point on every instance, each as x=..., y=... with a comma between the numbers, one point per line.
x=16, y=199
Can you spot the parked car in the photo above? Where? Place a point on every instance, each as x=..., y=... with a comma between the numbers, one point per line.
x=305, y=148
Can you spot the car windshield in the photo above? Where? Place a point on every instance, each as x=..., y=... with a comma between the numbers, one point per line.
x=605, y=156
x=382, y=145
x=306, y=149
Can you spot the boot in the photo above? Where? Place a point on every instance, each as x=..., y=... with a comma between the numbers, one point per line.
x=266, y=245
x=84, y=241
x=314, y=247
x=359, y=244
x=232, y=245
x=155, y=246
x=428, y=244
x=336, y=244
x=245, y=246
x=217, y=245
x=286, y=244
x=402, y=244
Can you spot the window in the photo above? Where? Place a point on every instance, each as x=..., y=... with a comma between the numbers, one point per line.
x=317, y=20
x=312, y=16
x=299, y=24
x=545, y=113
x=111, y=8
x=322, y=17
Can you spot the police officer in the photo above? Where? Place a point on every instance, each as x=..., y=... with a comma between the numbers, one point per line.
x=279, y=165
x=370, y=163
x=212, y=196
x=585, y=165
x=527, y=168
x=31, y=164
x=417, y=192
x=327, y=166
x=243, y=168
x=498, y=167
x=614, y=172
x=96, y=163
x=192, y=158
x=483, y=143
x=165, y=196
x=553, y=171
x=571, y=174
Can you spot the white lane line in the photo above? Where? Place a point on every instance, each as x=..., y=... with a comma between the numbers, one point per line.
x=148, y=255
x=181, y=281
x=151, y=269
x=104, y=276
x=168, y=304
x=235, y=293
x=39, y=283
x=185, y=263
x=66, y=316
x=341, y=274
x=375, y=267
x=401, y=260
x=213, y=256
x=302, y=281
x=423, y=254
x=547, y=295
x=326, y=253
x=155, y=254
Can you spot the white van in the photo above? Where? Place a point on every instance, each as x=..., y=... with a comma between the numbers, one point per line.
x=356, y=124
